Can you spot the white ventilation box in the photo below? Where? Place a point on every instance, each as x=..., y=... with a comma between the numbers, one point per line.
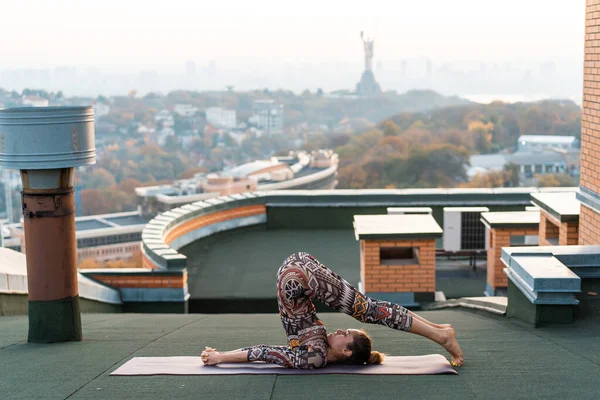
x=463, y=229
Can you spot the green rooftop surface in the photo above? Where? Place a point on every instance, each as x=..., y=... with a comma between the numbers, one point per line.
x=503, y=359
x=242, y=264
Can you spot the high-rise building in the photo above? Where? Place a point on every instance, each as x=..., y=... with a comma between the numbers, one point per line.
x=221, y=117
x=267, y=116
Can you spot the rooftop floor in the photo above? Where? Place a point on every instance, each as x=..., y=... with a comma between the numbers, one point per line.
x=503, y=359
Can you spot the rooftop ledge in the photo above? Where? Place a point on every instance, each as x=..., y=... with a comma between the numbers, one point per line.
x=153, y=235
x=545, y=283
x=410, y=226
x=562, y=206
x=511, y=219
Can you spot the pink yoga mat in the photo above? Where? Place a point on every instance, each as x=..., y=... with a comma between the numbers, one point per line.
x=406, y=365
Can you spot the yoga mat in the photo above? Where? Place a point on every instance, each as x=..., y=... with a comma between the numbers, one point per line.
x=407, y=365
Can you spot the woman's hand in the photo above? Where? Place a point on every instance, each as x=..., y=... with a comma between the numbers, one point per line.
x=211, y=356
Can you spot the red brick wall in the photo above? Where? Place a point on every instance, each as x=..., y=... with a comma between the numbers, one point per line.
x=142, y=281
x=213, y=218
x=205, y=220
x=549, y=228
x=590, y=122
x=589, y=226
x=398, y=278
x=499, y=238
x=567, y=232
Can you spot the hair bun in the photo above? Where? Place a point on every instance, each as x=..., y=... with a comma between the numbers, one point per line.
x=375, y=358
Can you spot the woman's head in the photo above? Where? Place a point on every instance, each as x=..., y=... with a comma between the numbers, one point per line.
x=353, y=346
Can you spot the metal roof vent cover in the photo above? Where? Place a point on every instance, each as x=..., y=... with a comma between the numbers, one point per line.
x=47, y=137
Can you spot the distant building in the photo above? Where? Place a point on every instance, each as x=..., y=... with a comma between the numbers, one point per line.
x=185, y=110
x=165, y=118
x=533, y=143
x=101, y=109
x=99, y=237
x=11, y=180
x=484, y=163
x=164, y=134
x=34, y=101
x=8, y=238
x=221, y=117
x=267, y=116
x=529, y=164
x=298, y=170
x=539, y=163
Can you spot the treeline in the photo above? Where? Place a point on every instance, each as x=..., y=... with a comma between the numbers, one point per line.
x=418, y=150
x=109, y=186
x=308, y=107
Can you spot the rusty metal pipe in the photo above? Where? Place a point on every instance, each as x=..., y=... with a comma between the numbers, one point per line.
x=49, y=223
x=46, y=144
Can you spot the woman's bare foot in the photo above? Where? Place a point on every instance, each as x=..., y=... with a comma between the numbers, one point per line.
x=451, y=345
x=442, y=326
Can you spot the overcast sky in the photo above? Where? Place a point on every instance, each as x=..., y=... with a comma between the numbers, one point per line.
x=162, y=35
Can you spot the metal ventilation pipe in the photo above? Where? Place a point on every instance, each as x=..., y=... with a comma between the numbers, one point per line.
x=46, y=144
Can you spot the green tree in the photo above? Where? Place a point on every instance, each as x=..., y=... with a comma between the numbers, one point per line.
x=99, y=178
x=391, y=129
x=172, y=144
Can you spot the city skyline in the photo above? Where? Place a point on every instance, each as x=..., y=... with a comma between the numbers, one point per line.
x=510, y=80
x=187, y=45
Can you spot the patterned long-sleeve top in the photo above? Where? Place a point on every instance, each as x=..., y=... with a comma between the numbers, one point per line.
x=312, y=353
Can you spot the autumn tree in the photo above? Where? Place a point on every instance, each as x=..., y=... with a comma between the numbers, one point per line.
x=490, y=179
x=92, y=202
x=190, y=172
x=391, y=129
x=89, y=263
x=554, y=180
x=98, y=178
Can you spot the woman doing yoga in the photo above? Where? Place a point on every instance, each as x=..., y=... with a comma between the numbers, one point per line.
x=303, y=278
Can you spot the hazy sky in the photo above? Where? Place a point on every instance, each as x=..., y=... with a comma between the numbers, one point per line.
x=162, y=35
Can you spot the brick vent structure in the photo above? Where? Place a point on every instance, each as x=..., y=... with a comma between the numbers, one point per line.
x=499, y=238
x=397, y=256
x=418, y=277
x=567, y=233
x=501, y=227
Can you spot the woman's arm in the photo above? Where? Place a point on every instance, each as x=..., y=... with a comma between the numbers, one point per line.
x=302, y=357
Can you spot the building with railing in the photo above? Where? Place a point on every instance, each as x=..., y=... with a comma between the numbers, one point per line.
x=300, y=170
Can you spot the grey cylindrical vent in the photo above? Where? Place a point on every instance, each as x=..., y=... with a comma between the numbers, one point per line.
x=47, y=137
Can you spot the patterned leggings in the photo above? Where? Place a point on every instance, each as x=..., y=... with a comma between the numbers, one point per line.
x=303, y=278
